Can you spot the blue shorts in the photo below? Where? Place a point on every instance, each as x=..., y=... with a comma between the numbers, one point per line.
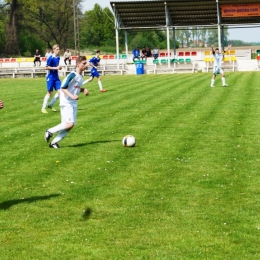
x=53, y=83
x=94, y=73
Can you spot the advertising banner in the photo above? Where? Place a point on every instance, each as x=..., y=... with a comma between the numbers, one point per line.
x=240, y=10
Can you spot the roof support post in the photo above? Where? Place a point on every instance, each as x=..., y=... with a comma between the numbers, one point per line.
x=168, y=22
x=117, y=41
x=168, y=46
x=126, y=45
x=174, y=42
x=219, y=35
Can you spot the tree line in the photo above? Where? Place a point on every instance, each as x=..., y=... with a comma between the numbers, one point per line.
x=27, y=25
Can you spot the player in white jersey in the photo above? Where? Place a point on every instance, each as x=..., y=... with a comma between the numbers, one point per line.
x=69, y=95
x=218, y=57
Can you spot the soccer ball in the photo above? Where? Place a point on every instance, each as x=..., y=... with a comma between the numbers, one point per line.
x=128, y=141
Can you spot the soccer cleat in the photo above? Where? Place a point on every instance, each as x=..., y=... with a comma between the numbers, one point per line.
x=225, y=85
x=47, y=136
x=212, y=86
x=56, y=146
x=103, y=90
x=52, y=108
x=44, y=111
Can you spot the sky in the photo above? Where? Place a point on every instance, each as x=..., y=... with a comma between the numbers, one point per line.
x=244, y=34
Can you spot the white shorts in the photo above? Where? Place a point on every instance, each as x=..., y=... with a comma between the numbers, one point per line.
x=217, y=70
x=68, y=114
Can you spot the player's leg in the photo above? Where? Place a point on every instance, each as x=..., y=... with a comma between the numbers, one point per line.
x=48, y=95
x=100, y=85
x=88, y=80
x=57, y=85
x=223, y=78
x=96, y=74
x=68, y=121
x=215, y=72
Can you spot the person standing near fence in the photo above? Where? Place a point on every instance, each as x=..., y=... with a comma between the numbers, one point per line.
x=52, y=79
x=94, y=63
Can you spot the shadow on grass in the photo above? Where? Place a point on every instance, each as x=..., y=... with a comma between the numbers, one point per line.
x=86, y=213
x=88, y=143
x=9, y=203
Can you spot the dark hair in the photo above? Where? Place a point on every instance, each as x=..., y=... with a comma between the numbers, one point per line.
x=98, y=51
x=217, y=49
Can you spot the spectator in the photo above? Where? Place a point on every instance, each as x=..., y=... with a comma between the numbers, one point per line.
x=136, y=54
x=48, y=54
x=37, y=57
x=1, y=104
x=155, y=52
x=67, y=56
x=144, y=53
x=149, y=53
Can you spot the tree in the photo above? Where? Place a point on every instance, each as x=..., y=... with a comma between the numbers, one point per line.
x=11, y=46
x=51, y=22
x=97, y=27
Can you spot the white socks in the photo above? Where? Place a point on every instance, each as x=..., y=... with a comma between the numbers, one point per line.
x=100, y=85
x=57, y=128
x=45, y=101
x=60, y=136
x=56, y=96
x=85, y=82
x=212, y=82
x=223, y=81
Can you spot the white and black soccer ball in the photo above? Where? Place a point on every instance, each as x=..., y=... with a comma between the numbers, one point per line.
x=128, y=141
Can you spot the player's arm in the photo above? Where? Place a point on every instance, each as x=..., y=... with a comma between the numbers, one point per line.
x=84, y=90
x=228, y=47
x=49, y=67
x=213, y=51
x=92, y=65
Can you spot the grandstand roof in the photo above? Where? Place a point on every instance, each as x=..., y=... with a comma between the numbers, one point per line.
x=179, y=13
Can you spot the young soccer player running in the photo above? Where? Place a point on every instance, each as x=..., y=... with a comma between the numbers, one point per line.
x=69, y=95
x=94, y=63
x=218, y=57
x=52, y=79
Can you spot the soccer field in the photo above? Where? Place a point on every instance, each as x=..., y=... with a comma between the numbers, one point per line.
x=189, y=189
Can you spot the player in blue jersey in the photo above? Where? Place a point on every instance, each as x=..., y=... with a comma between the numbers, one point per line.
x=94, y=63
x=218, y=57
x=52, y=78
x=69, y=95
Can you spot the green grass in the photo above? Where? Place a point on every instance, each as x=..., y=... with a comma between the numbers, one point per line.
x=189, y=189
